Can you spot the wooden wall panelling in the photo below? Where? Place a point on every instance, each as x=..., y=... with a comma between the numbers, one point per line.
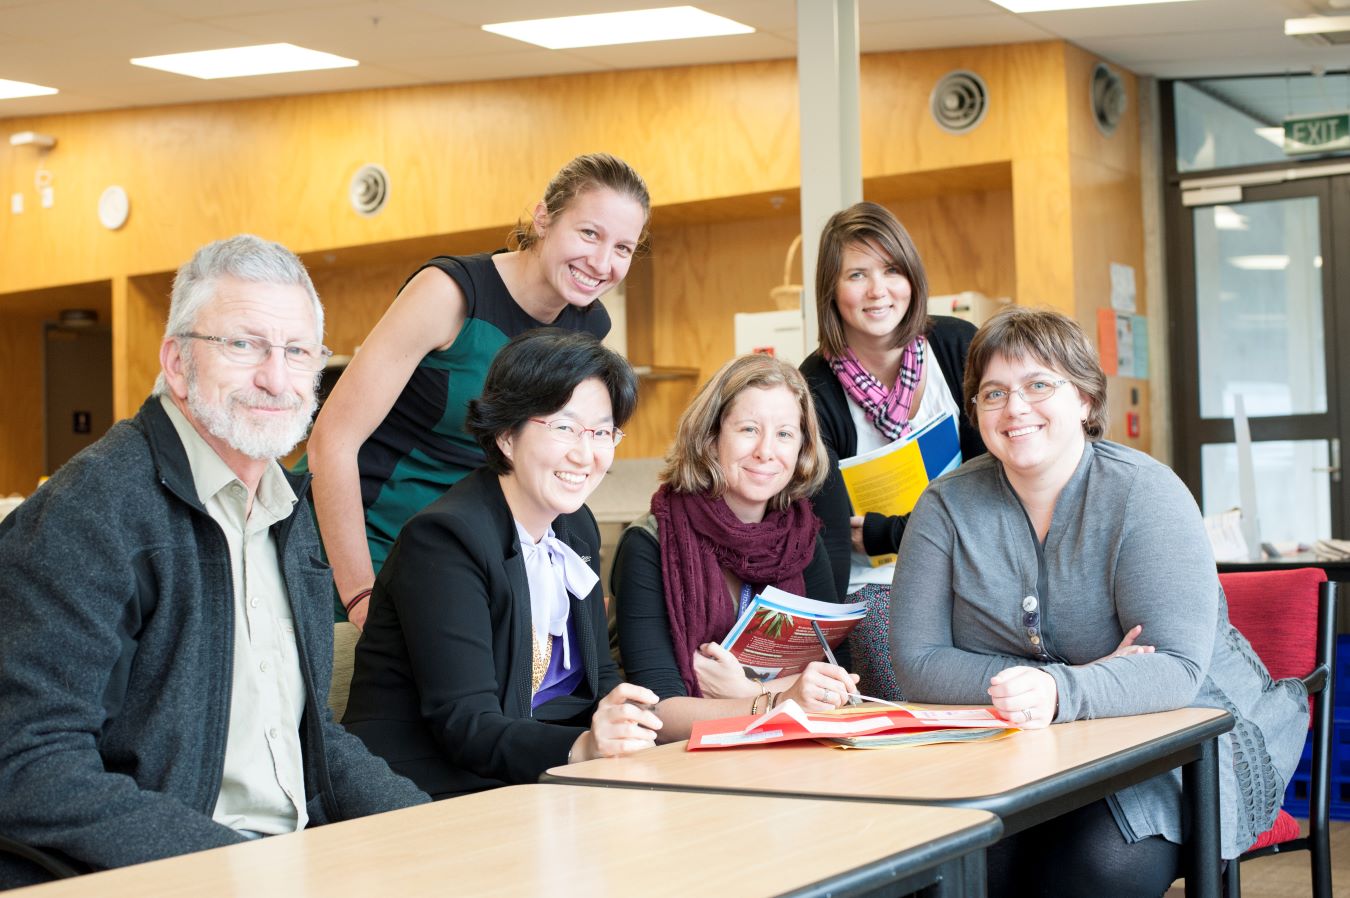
x=1107, y=217
x=21, y=413
x=461, y=157
x=22, y=315
x=705, y=273
x=964, y=239
x=1043, y=232
x=137, y=337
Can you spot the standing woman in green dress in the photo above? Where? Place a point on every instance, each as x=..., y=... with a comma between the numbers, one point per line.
x=391, y=439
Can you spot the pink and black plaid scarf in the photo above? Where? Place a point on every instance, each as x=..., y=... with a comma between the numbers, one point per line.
x=887, y=409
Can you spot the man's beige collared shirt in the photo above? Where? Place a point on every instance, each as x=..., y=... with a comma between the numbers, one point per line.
x=263, y=789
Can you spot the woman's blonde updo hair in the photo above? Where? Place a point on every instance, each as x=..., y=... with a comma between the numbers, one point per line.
x=584, y=173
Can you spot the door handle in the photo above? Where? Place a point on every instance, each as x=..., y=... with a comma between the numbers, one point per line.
x=1334, y=469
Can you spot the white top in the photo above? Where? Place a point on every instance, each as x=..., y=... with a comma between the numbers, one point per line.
x=937, y=399
x=263, y=787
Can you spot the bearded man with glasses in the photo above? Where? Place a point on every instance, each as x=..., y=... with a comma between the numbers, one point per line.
x=168, y=646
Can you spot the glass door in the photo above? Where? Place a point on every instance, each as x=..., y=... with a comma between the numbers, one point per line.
x=1259, y=286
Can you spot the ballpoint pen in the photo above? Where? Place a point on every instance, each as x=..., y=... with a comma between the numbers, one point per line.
x=853, y=698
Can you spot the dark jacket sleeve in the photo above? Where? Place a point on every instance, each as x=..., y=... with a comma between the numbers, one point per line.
x=70, y=597
x=608, y=673
x=820, y=585
x=831, y=504
x=455, y=614
x=950, y=341
x=644, y=626
x=362, y=783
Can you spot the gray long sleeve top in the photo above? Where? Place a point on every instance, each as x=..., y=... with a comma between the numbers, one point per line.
x=975, y=592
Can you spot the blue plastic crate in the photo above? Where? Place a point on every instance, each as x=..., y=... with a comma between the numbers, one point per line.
x=1342, y=672
x=1300, y=784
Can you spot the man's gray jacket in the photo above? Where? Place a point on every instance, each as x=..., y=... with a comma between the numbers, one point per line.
x=116, y=651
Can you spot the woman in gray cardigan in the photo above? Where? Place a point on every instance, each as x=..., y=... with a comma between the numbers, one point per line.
x=1021, y=572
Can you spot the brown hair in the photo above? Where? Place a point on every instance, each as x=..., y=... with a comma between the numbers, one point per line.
x=876, y=228
x=1046, y=336
x=586, y=172
x=691, y=463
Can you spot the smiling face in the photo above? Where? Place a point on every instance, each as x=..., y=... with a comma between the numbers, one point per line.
x=1038, y=443
x=586, y=248
x=872, y=295
x=757, y=448
x=548, y=477
x=249, y=414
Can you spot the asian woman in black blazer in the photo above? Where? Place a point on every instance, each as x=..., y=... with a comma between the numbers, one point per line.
x=484, y=659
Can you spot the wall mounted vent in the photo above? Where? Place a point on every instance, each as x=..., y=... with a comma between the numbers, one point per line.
x=959, y=101
x=1108, y=98
x=369, y=190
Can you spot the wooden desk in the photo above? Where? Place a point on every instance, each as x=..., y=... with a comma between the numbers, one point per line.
x=591, y=843
x=1026, y=779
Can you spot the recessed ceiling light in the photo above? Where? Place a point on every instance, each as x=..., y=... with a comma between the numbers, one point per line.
x=238, y=62
x=12, y=90
x=633, y=27
x=1020, y=6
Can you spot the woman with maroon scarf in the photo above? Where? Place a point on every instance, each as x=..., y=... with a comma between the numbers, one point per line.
x=731, y=517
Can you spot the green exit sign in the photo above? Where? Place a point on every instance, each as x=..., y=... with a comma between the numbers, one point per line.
x=1317, y=133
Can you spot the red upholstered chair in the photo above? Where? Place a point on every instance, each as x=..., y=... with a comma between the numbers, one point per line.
x=1289, y=617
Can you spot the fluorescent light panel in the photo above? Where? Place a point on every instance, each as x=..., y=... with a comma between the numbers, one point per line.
x=606, y=29
x=12, y=90
x=1023, y=6
x=1275, y=135
x=240, y=62
x=1260, y=263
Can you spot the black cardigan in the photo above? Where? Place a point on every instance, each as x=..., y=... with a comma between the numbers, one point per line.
x=949, y=339
x=441, y=687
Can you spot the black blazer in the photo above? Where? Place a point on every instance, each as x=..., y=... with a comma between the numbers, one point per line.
x=949, y=339
x=441, y=686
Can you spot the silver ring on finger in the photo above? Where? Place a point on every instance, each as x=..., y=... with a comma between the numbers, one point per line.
x=829, y=697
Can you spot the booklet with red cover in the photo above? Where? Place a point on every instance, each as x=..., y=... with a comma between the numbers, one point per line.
x=774, y=636
x=788, y=722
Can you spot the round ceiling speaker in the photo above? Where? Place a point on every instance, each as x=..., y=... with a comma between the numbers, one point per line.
x=369, y=190
x=959, y=101
x=1109, y=101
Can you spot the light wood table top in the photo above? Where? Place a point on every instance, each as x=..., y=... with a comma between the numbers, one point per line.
x=566, y=840
x=1029, y=767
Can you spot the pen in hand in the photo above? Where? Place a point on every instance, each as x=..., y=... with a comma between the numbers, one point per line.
x=853, y=698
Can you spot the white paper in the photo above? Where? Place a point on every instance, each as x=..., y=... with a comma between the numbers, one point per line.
x=1122, y=288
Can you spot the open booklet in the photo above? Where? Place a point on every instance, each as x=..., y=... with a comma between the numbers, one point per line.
x=774, y=636
x=849, y=726
x=889, y=480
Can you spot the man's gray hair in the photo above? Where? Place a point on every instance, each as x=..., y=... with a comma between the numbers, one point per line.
x=243, y=257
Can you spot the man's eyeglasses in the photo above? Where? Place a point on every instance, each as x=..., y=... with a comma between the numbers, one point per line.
x=248, y=350
x=565, y=430
x=1033, y=392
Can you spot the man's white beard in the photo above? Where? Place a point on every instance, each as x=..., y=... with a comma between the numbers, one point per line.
x=261, y=439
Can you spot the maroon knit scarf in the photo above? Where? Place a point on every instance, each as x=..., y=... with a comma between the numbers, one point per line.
x=701, y=536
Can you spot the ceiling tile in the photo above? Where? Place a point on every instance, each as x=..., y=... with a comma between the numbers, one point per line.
x=693, y=51
x=965, y=31
x=54, y=19
x=490, y=67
